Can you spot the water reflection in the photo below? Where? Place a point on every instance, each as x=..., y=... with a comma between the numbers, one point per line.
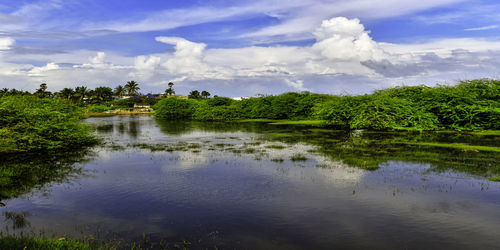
x=241, y=185
x=21, y=174
x=18, y=220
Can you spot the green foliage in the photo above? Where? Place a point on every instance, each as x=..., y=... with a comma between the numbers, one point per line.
x=129, y=102
x=132, y=87
x=206, y=112
x=40, y=244
x=172, y=108
x=496, y=178
x=195, y=94
x=470, y=105
x=28, y=123
x=99, y=108
x=101, y=94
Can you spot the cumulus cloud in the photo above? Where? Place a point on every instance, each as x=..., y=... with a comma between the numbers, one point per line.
x=342, y=44
x=345, y=39
x=38, y=71
x=343, y=59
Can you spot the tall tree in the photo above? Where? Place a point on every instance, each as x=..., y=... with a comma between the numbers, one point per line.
x=103, y=94
x=81, y=93
x=170, y=90
x=42, y=91
x=119, y=90
x=205, y=94
x=195, y=94
x=67, y=93
x=132, y=87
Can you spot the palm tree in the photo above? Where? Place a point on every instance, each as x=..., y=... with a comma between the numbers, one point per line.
x=132, y=87
x=67, y=93
x=119, y=90
x=102, y=94
x=170, y=90
x=81, y=92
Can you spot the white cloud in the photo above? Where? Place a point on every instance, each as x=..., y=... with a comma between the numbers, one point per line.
x=6, y=43
x=489, y=27
x=38, y=71
x=99, y=59
x=344, y=59
x=296, y=18
x=344, y=39
x=298, y=21
x=297, y=84
x=145, y=66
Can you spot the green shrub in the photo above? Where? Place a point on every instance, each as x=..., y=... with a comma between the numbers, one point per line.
x=172, y=108
x=98, y=108
x=470, y=105
x=40, y=244
x=30, y=123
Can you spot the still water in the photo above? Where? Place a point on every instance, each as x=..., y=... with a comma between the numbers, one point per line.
x=259, y=186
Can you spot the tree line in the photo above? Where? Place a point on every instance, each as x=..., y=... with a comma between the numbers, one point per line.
x=79, y=94
x=469, y=105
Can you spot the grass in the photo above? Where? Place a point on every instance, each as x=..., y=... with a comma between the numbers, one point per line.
x=96, y=114
x=298, y=157
x=497, y=178
x=462, y=146
x=280, y=134
x=486, y=132
x=42, y=244
x=287, y=122
x=301, y=122
x=274, y=146
x=194, y=145
x=249, y=151
x=258, y=120
x=278, y=160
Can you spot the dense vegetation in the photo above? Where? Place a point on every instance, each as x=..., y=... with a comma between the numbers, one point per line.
x=40, y=244
x=470, y=105
x=29, y=123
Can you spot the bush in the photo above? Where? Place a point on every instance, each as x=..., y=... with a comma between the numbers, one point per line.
x=29, y=123
x=172, y=108
x=99, y=108
x=206, y=112
x=470, y=105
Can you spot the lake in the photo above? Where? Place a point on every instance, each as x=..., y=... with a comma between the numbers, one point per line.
x=259, y=186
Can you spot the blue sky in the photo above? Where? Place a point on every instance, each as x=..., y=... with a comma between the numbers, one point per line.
x=243, y=48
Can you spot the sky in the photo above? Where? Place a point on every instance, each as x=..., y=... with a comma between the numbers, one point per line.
x=244, y=48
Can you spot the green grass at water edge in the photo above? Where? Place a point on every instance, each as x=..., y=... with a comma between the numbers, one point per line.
x=281, y=134
x=298, y=157
x=41, y=244
x=300, y=122
x=486, y=132
x=462, y=146
x=257, y=120
x=497, y=179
